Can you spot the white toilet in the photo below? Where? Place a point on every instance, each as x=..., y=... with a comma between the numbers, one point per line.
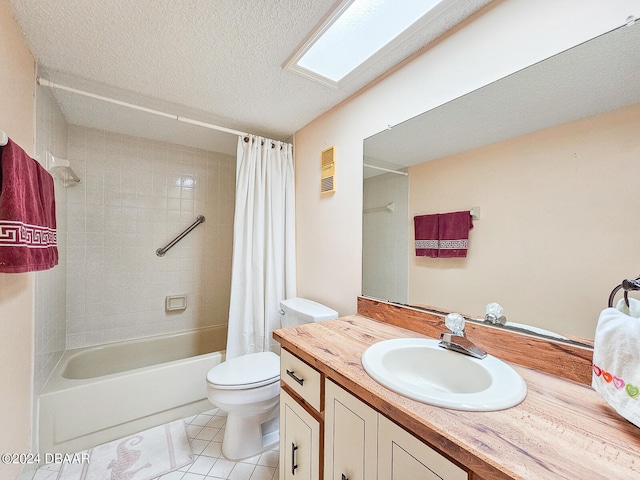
x=248, y=388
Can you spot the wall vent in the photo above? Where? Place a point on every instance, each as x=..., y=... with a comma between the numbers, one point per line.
x=328, y=164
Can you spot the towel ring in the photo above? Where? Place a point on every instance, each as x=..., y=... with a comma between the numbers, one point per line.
x=627, y=285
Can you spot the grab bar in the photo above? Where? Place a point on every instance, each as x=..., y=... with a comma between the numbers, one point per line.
x=161, y=251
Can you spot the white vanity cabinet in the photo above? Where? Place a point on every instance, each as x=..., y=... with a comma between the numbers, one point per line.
x=342, y=438
x=361, y=444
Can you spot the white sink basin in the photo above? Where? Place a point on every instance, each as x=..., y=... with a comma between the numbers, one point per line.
x=421, y=370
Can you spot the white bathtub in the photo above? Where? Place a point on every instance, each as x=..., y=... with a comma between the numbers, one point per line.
x=98, y=394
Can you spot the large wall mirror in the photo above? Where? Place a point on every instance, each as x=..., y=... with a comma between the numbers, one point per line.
x=551, y=155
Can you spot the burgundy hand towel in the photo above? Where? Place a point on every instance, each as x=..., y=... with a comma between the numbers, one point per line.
x=426, y=235
x=27, y=213
x=454, y=234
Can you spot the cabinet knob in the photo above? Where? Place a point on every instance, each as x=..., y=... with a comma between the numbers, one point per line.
x=344, y=477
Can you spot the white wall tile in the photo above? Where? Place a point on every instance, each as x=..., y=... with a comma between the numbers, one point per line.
x=50, y=307
x=138, y=195
x=386, y=252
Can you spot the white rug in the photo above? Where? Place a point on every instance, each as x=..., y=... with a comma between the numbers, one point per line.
x=142, y=456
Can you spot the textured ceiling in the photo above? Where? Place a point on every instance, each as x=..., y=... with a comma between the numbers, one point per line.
x=218, y=61
x=597, y=76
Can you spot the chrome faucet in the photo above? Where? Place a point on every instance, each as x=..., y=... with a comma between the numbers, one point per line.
x=456, y=340
x=495, y=314
x=494, y=320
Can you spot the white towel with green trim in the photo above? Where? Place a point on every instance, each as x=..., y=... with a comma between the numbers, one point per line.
x=616, y=361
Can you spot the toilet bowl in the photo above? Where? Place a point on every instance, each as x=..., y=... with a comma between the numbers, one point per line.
x=248, y=388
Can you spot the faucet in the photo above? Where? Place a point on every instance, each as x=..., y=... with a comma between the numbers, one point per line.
x=495, y=314
x=491, y=318
x=456, y=340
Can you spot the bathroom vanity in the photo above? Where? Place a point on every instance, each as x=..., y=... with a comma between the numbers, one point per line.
x=338, y=423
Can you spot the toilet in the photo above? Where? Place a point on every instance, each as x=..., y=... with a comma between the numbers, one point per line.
x=248, y=388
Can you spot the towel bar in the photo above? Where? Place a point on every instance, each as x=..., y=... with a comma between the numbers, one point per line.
x=628, y=286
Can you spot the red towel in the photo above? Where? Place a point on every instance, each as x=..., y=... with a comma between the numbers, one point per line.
x=27, y=213
x=426, y=235
x=454, y=234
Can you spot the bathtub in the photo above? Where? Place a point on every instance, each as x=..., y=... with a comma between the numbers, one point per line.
x=98, y=394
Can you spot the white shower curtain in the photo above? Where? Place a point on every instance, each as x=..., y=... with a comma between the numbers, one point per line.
x=263, y=270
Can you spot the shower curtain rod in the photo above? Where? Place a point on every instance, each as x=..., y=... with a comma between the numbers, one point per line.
x=46, y=83
x=397, y=172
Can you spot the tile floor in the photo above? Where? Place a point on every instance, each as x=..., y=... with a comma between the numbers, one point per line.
x=205, y=432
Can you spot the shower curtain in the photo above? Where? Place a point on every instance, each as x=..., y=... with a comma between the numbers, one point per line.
x=263, y=270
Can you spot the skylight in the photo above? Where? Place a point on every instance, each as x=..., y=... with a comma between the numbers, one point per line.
x=354, y=33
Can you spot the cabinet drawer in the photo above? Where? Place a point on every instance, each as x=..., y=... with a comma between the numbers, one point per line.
x=302, y=378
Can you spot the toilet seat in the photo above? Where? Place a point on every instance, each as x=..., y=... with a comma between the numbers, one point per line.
x=245, y=372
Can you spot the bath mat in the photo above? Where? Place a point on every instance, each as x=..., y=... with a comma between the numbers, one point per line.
x=142, y=456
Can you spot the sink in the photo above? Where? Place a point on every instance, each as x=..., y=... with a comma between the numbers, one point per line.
x=419, y=369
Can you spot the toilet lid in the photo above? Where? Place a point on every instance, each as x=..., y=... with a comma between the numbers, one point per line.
x=248, y=371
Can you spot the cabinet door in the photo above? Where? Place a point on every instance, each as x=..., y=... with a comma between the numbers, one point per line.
x=403, y=457
x=351, y=429
x=299, y=441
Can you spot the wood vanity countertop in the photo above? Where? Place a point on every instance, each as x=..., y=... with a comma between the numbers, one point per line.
x=562, y=430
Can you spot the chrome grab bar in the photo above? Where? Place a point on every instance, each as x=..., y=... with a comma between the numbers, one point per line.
x=161, y=251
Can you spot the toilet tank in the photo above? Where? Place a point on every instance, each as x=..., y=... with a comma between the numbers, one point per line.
x=297, y=311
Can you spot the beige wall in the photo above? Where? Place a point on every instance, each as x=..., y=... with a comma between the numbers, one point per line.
x=559, y=224
x=17, y=86
x=504, y=38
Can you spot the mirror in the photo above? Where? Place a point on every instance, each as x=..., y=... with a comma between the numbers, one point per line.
x=551, y=156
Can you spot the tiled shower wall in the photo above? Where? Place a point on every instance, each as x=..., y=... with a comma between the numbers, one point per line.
x=135, y=196
x=385, y=246
x=50, y=324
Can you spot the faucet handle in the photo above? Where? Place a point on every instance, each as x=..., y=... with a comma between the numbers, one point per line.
x=494, y=313
x=455, y=323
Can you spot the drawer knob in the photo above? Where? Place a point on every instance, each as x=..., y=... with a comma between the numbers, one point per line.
x=292, y=374
x=344, y=477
